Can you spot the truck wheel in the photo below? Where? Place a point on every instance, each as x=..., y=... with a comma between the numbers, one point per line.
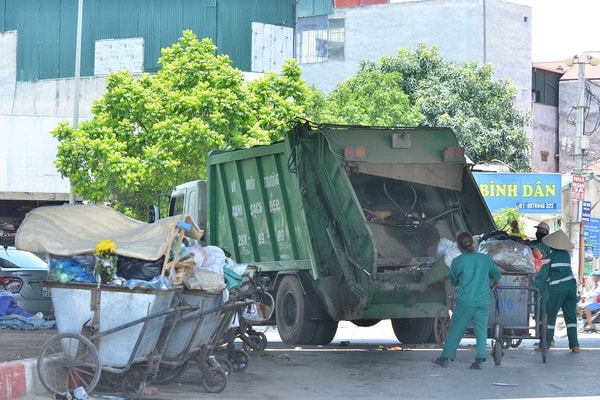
x=365, y=323
x=412, y=330
x=325, y=332
x=291, y=313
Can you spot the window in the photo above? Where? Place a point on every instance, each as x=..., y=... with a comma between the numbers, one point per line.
x=335, y=46
x=544, y=156
x=320, y=39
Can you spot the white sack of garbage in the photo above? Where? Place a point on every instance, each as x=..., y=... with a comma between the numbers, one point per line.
x=509, y=255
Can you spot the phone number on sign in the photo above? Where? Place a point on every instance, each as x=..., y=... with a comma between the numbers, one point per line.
x=542, y=206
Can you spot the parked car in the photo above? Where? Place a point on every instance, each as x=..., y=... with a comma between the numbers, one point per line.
x=21, y=273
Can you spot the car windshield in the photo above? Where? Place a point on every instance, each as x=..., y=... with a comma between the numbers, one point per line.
x=10, y=258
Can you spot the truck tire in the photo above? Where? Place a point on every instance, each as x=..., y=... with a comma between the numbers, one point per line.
x=365, y=323
x=292, y=314
x=412, y=330
x=325, y=332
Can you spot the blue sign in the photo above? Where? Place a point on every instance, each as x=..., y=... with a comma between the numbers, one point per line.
x=530, y=193
x=591, y=235
x=586, y=210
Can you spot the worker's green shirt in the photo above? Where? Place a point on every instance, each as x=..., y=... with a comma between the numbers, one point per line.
x=557, y=274
x=544, y=248
x=472, y=274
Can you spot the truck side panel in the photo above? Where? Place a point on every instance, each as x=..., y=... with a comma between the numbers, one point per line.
x=254, y=209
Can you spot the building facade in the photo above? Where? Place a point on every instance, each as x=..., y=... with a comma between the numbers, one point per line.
x=329, y=38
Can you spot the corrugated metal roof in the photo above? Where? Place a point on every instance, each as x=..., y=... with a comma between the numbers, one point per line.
x=558, y=67
x=47, y=29
x=234, y=27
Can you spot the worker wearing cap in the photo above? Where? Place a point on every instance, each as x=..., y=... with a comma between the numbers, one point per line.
x=561, y=284
x=592, y=302
x=542, y=230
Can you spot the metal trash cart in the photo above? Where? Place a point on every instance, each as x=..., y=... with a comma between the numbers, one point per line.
x=103, y=329
x=196, y=329
x=258, y=312
x=515, y=314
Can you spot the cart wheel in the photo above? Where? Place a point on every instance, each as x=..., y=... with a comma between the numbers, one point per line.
x=441, y=324
x=497, y=352
x=514, y=343
x=134, y=384
x=508, y=343
x=68, y=361
x=168, y=374
x=544, y=337
x=253, y=345
x=261, y=336
x=239, y=360
x=226, y=365
x=214, y=380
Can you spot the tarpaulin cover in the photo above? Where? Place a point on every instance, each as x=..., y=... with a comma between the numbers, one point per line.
x=73, y=229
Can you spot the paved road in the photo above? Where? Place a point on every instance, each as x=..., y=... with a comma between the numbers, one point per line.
x=369, y=363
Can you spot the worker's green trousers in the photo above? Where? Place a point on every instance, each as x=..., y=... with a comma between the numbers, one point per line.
x=568, y=302
x=462, y=316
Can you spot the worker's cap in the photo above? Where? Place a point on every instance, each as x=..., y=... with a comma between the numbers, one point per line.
x=558, y=240
x=596, y=273
x=543, y=225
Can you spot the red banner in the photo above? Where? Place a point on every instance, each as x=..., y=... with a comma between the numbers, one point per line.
x=578, y=188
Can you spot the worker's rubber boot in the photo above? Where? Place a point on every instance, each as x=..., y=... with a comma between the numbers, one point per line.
x=477, y=363
x=441, y=361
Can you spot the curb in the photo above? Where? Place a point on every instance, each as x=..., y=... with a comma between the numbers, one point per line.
x=19, y=380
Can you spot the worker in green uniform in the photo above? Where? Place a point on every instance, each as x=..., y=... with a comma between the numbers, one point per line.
x=542, y=230
x=561, y=286
x=472, y=274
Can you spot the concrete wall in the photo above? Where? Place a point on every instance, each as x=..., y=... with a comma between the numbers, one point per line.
x=463, y=30
x=28, y=112
x=544, y=138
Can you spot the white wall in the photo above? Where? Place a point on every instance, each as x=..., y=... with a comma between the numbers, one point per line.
x=458, y=28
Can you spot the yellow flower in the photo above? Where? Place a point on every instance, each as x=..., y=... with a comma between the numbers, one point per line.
x=105, y=247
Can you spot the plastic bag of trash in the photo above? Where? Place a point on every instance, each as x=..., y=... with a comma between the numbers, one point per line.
x=133, y=268
x=509, y=255
x=448, y=250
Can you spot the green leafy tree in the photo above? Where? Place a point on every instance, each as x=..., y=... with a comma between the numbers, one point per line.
x=465, y=98
x=371, y=97
x=505, y=217
x=420, y=88
x=151, y=132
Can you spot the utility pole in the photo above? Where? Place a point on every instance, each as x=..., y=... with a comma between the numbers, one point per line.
x=76, y=80
x=581, y=143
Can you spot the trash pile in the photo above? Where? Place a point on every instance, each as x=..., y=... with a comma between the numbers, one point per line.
x=511, y=254
x=98, y=245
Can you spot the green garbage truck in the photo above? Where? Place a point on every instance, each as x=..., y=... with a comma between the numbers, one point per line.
x=344, y=223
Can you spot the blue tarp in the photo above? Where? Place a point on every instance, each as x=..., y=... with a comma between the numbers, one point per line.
x=25, y=323
x=14, y=317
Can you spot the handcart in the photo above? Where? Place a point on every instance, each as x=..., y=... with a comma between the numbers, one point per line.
x=515, y=314
x=105, y=330
x=195, y=331
x=258, y=312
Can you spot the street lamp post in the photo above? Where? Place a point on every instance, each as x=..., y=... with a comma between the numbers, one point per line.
x=76, y=81
x=581, y=143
